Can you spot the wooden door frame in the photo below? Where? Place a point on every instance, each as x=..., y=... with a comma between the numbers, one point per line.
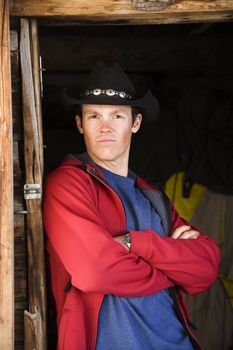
x=121, y=12
x=55, y=13
x=35, y=329
x=35, y=320
x=6, y=187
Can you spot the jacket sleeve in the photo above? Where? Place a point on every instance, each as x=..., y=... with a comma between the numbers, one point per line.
x=95, y=262
x=190, y=263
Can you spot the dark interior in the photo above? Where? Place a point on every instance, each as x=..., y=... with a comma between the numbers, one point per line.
x=189, y=69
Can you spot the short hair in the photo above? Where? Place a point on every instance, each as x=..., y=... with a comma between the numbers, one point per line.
x=135, y=112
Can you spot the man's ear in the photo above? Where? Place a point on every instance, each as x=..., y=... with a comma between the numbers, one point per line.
x=137, y=123
x=79, y=123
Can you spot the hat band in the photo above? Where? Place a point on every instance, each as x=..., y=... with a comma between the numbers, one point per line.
x=108, y=92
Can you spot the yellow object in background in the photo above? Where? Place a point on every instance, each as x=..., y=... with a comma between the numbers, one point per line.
x=185, y=206
x=228, y=284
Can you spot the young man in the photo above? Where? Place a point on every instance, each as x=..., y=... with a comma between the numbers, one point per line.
x=119, y=253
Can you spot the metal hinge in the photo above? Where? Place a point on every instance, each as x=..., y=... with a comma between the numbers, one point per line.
x=32, y=191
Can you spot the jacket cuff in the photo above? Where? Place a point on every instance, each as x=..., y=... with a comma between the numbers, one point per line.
x=140, y=242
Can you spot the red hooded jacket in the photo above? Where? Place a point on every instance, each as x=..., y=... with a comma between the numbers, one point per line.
x=81, y=215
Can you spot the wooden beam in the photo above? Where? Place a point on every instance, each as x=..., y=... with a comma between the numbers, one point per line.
x=123, y=12
x=35, y=319
x=6, y=186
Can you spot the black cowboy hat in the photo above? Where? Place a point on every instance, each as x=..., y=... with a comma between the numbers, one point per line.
x=109, y=85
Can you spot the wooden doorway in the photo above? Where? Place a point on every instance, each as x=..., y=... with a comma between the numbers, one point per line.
x=52, y=18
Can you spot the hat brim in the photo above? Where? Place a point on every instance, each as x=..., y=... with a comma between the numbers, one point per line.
x=148, y=105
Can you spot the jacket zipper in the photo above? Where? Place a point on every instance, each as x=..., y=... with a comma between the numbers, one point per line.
x=184, y=320
x=104, y=182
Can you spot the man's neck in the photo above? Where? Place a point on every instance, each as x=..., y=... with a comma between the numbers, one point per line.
x=120, y=168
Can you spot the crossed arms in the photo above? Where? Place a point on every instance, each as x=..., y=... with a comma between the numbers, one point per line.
x=98, y=263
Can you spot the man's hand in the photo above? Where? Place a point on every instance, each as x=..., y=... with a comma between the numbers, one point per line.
x=185, y=232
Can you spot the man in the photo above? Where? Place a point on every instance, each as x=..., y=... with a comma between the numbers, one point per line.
x=119, y=253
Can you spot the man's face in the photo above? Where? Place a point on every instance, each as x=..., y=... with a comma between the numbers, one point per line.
x=107, y=132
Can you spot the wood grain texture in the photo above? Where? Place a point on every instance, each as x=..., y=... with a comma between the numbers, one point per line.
x=6, y=186
x=32, y=322
x=20, y=253
x=35, y=50
x=35, y=332
x=123, y=11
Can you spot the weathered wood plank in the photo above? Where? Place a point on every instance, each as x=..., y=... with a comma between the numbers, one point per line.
x=35, y=319
x=123, y=11
x=32, y=322
x=20, y=270
x=6, y=186
x=37, y=92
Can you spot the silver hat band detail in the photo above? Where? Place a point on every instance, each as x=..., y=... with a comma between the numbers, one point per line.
x=108, y=92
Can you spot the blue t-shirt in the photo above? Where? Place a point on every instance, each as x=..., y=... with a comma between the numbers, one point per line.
x=138, y=323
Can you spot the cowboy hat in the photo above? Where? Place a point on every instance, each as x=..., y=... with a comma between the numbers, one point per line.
x=109, y=85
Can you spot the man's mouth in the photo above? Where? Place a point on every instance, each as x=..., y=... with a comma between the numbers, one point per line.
x=106, y=140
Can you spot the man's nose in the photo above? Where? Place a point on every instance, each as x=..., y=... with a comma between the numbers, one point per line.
x=105, y=126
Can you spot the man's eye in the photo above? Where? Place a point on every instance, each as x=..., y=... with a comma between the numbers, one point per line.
x=92, y=116
x=118, y=116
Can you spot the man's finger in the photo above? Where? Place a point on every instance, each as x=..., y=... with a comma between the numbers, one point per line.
x=192, y=234
x=181, y=229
